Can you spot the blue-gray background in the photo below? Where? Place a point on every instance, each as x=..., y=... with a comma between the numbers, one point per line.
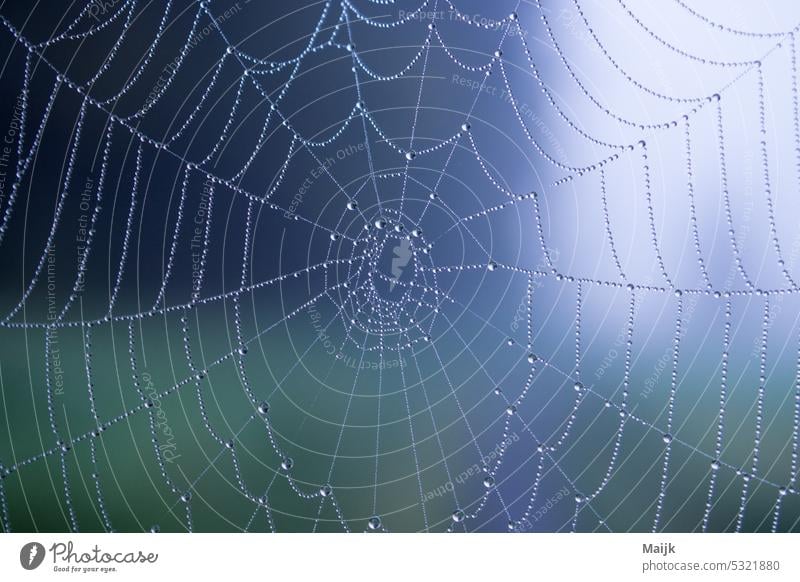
x=401, y=433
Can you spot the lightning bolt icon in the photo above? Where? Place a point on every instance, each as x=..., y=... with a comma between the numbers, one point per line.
x=32, y=554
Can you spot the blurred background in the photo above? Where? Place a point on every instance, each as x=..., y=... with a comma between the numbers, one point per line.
x=399, y=266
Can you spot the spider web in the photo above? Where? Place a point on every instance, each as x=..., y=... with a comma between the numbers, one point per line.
x=358, y=266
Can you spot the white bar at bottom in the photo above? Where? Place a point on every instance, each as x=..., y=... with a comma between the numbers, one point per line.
x=333, y=557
